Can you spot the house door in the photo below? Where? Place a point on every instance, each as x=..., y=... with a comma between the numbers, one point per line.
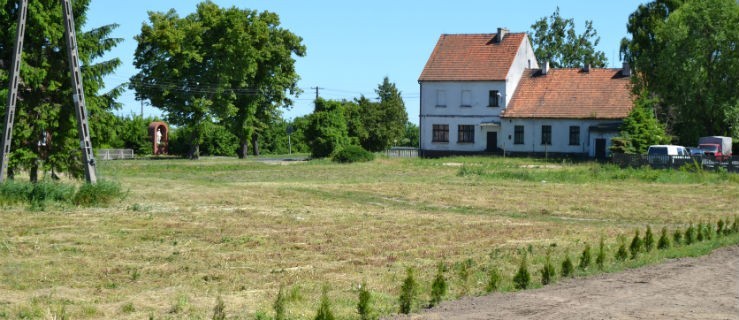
x=492, y=144
x=600, y=149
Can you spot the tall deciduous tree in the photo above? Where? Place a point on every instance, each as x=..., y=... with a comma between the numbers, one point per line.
x=45, y=133
x=231, y=65
x=554, y=39
x=641, y=50
x=697, y=72
x=684, y=53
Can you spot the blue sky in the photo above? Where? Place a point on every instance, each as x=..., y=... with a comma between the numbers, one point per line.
x=353, y=45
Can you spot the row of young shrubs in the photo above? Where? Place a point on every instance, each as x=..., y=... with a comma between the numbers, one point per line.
x=409, y=289
x=40, y=194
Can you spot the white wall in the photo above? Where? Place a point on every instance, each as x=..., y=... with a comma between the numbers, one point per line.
x=454, y=114
x=479, y=145
x=524, y=59
x=560, y=135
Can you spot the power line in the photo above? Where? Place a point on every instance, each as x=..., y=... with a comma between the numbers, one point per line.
x=317, y=88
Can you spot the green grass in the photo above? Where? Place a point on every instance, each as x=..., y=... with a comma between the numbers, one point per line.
x=188, y=232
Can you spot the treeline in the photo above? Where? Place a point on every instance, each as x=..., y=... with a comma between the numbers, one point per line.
x=333, y=125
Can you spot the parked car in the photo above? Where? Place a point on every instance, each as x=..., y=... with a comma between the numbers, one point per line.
x=695, y=151
x=667, y=155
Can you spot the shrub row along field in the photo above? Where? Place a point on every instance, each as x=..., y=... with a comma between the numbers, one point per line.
x=194, y=239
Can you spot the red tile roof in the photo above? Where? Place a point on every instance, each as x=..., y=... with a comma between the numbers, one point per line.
x=571, y=93
x=471, y=57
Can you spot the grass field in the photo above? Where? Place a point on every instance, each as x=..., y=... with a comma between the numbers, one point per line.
x=190, y=231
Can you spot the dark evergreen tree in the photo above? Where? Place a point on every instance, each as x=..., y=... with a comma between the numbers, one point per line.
x=45, y=136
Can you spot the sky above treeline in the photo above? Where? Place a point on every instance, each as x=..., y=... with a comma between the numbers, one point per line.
x=353, y=45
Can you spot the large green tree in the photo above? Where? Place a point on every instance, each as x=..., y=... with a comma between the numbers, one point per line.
x=555, y=40
x=45, y=132
x=230, y=66
x=384, y=122
x=684, y=53
x=327, y=130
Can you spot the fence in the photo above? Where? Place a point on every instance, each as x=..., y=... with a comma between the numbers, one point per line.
x=114, y=154
x=402, y=152
x=707, y=162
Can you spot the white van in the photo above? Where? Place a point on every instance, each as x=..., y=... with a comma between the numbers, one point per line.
x=667, y=154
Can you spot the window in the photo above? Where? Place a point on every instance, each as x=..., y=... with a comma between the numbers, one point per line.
x=518, y=135
x=466, y=98
x=494, y=97
x=441, y=98
x=440, y=133
x=546, y=134
x=574, y=135
x=466, y=134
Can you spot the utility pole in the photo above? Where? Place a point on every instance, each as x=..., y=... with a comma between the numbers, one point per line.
x=15, y=70
x=78, y=97
x=317, y=88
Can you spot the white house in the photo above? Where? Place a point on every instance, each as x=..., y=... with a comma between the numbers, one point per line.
x=466, y=84
x=486, y=93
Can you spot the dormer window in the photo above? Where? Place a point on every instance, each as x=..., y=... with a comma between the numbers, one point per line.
x=494, y=98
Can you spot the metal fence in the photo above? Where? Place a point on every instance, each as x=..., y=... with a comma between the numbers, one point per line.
x=675, y=162
x=114, y=154
x=402, y=152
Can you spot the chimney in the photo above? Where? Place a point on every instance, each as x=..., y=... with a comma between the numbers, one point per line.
x=501, y=34
x=545, y=67
x=586, y=67
x=626, y=70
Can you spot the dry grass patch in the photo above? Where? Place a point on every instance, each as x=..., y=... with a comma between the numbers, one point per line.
x=191, y=231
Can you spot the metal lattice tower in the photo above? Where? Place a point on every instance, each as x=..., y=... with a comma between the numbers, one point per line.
x=78, y=96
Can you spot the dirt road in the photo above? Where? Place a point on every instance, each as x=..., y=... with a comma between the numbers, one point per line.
x=689, y=288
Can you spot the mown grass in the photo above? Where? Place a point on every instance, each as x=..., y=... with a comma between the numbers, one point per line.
x=191, y=231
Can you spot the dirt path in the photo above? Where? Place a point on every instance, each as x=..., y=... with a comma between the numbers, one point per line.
x=689, y=288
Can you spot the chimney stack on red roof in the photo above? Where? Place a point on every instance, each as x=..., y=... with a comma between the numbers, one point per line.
x=626, y=70
x=545, y=67
x=501, y=34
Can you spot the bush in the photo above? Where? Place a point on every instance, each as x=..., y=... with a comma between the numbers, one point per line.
x=648, y=239
x=464, y=269
x=101, y=193
x=438, y=287
x=408, y=292
x=350, y=154
x=522, y=278
x=699, y=232
x=493, y=280
x=621, y=253
x=636, y=245
x=547, y=272
x=279, y=305
x=720, y=227
x=664, y=240
x=600, y=260
x=364, y=306
x=585, y=258
x=690, y=235
x=568, y=269
x=324, y=310
x=677, y=237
